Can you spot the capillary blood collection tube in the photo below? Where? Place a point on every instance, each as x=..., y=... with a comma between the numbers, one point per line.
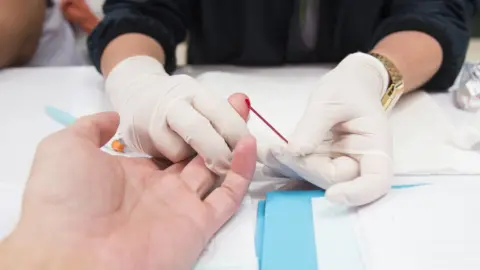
x=264, y=120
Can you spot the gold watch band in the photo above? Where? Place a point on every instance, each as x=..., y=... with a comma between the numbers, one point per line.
x=395, y=86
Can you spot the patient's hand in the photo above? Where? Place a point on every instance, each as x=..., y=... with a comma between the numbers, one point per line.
x=86, y=209
x=79, y=13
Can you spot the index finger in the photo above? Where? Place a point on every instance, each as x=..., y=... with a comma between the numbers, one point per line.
x=225, y=119
x=237, y=101
x=224, y=201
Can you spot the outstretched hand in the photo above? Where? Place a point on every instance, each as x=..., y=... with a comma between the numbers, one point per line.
x=86, y=209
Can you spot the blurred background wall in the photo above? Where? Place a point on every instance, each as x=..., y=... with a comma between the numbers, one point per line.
x=476, y=30
x=474, y=49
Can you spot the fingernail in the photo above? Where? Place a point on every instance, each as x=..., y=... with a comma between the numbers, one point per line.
x=297, y=149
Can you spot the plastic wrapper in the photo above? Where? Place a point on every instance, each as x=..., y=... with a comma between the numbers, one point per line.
x=467, y=88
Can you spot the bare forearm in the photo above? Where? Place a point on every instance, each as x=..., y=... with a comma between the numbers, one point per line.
x=129, y=45
x=418, y=56
x=21, y=251
x=21, y=23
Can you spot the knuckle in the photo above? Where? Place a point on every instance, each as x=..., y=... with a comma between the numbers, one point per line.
x=180, y=153
x=232, y=130
x=184, y=80
x=175, y=151
x=218, y=165
x=232, y=197
x=195, y=127
x=198, y=123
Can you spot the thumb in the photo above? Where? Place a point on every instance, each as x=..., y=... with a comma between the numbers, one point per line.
x=225, y=200
x=314, y=126
x=97, y=128
x=238, y=102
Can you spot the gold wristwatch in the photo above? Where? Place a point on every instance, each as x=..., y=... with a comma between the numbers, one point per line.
x=395, y=85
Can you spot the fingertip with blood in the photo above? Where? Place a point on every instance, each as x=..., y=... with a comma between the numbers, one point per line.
x=237, y=101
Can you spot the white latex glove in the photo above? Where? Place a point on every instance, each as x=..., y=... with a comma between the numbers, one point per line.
x=342, y=142
x=172, y=116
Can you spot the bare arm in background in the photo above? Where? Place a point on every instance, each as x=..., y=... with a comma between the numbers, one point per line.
x=128, y=45
x=426, y=39
x=418, y=56
x=21, y=23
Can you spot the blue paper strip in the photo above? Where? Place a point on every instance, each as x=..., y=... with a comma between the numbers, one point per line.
x=288, y=240
x=259, y=230
x=288, y=230
x=408, y=186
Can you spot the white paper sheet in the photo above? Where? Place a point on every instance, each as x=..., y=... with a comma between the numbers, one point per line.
x=432, y=227
x=335, y=236
x=278, y=100
x=233, y=247
x=422, y=136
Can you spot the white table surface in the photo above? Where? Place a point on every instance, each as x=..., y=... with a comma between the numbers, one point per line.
x=24, y=93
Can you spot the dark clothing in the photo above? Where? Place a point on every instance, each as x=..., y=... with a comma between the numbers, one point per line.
x=276, y=32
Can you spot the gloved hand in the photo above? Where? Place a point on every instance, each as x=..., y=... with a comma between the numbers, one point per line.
x=342, y=142
x=173, y=116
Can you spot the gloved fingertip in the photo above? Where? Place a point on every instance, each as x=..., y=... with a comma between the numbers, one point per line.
x=357, y=192
x=281, y=151
x=277, y=150
x=273, y=166
x=263, y=154
x=338, y=197
x=299, y=149
x=270, y=172
x=219, y=168
x=281, y=157
x=345, y=195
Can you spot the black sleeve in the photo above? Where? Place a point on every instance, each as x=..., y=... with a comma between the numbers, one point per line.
x=163, y=20
x=448, y=21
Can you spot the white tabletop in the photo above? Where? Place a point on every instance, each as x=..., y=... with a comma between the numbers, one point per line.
x=24, y=93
